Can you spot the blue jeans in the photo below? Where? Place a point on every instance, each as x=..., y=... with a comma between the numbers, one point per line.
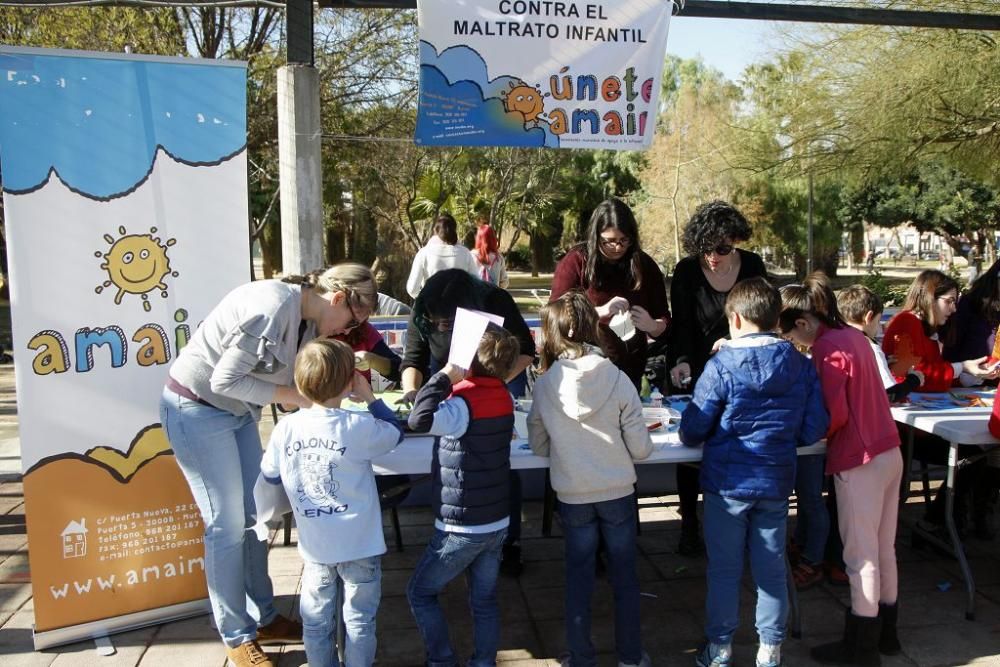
x=812, y=525
x=733, y=527
x=615, y=521
x=219, y=454
x=317, y=606
x=446, y=557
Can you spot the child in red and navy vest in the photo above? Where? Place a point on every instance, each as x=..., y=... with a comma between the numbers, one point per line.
x=473, y=421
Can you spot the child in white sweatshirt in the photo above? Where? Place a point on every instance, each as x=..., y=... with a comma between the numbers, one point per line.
x=586, y=416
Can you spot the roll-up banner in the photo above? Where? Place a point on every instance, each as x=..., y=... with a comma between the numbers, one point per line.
x=557, y=74
x=125, y=203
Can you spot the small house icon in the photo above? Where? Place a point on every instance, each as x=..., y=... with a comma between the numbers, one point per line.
x=74, y=539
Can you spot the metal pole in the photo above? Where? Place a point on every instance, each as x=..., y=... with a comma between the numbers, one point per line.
x=809, y=230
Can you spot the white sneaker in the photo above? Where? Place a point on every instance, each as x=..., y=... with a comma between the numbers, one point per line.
x=769, y=655
x=643, y=662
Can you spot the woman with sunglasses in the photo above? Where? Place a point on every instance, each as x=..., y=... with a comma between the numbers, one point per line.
x=240, y=359
x=698, y=290
x=617, y=277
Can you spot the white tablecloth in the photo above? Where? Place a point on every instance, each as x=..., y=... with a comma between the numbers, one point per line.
x=413, y=455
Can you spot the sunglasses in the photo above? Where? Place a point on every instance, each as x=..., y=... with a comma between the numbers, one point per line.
x=722, y=249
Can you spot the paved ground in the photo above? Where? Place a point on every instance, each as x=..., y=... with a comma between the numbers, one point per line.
x=934, y=631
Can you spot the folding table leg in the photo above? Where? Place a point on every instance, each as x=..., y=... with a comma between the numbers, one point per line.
x=956, y=543
x=904, y=490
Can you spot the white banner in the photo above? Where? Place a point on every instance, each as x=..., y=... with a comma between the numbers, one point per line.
x=534, y=73
x=125, y=199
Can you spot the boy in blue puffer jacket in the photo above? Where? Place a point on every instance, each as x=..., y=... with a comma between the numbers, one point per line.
x=757, y=400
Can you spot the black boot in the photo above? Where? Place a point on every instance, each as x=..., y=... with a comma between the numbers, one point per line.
x=888, y=642
x=858, y=647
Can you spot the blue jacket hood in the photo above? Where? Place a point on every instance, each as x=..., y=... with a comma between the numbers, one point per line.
x=763, y=363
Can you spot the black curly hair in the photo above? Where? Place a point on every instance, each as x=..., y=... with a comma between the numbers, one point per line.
x=711, y=224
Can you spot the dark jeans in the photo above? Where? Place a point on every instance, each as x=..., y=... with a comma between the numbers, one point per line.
x=615, y=522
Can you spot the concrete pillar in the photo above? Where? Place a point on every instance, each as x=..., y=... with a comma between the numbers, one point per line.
x=300, y=169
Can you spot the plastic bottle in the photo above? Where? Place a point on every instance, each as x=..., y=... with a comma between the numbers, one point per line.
x=644, y=390
x=656, y=399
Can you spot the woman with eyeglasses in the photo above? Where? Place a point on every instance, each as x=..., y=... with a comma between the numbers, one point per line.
x=240, y=359
x=912, y=340
x=698, y=290
x=617, y=277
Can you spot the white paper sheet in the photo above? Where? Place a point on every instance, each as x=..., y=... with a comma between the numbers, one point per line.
x=466, y=334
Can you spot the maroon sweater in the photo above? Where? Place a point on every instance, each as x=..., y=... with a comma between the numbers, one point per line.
x=629, y=356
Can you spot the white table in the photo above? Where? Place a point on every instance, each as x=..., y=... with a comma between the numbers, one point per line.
x=959, y=426
x=413, y=455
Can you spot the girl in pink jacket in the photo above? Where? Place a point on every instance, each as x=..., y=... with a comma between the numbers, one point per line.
x=864, y=459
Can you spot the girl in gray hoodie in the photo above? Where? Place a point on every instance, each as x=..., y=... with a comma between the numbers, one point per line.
x=587, y=418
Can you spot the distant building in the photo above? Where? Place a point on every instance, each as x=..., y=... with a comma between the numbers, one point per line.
x=902, y=240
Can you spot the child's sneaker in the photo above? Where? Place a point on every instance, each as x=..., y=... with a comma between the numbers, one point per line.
x=714, y=655
x=769, y=655
x=644, y=661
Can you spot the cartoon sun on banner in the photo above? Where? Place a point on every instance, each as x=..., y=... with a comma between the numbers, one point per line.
x=124, y=183
x=136, y=264
x=568, y=74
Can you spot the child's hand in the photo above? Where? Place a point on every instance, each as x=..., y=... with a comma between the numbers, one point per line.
x=361, y=389
x=454, y=373
x=717, y=345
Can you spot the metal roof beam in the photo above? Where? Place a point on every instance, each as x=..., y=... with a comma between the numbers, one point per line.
x=814, y=13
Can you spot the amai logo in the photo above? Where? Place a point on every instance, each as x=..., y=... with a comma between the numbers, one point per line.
x=136, y=264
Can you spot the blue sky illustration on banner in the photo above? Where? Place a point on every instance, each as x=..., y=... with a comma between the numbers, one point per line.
x=92, y=120
x=570, y=74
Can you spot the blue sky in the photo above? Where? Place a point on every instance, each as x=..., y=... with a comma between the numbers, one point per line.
x=726, y=44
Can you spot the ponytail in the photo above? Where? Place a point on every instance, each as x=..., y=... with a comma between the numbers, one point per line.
x=813, y=297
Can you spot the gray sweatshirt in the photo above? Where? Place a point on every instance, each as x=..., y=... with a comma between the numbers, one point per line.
x=587, y=418
x=245, y=348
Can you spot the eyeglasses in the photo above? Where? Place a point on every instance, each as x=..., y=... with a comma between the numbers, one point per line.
x=620, y=242
x=722, y=249
x=948, y=300
x=355, y=322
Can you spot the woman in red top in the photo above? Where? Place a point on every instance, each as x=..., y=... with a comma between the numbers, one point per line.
x=617, y=277
x=911, y=339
